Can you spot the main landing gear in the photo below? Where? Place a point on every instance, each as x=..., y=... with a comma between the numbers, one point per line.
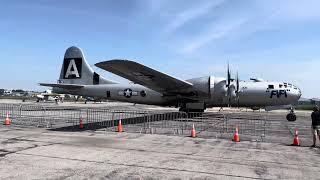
x=191, y=110
x=192, y=107
x=291, y=116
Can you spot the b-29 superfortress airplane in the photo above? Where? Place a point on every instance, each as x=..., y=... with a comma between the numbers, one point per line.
x=157, y=88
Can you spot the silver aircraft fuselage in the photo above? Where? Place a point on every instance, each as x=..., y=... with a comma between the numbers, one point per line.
x=157, y=88
x=251, y=94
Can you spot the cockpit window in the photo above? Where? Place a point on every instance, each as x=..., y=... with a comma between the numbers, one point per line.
x=271, y=87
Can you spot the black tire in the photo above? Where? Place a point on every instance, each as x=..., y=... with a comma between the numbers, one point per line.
x=191, y=110
x=291, y=117
x=196, y=110
x=182, y=109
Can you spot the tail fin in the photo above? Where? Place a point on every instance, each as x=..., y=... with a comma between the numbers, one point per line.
x=76, y=70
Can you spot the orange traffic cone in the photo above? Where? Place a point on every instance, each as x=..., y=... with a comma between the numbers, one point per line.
x=81, y=126
x=120, y=129
x=296, y=141
x=7, y=121
x=193, y=131
x=236, y=137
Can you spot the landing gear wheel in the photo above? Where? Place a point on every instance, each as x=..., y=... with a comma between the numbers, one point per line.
x=182, y=109
x=191, y=110
x=291, y=117
x=197, y=110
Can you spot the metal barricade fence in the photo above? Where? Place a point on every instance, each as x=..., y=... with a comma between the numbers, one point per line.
x=136, y=121
x=254, y=124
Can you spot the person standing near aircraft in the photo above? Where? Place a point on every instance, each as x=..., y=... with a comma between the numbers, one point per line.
x=315, y=116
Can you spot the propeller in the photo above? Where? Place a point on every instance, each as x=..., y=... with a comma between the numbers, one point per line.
x=233, y=88
x=228, y=76
x=237, y=83
x=230, y=88
x=237, y=89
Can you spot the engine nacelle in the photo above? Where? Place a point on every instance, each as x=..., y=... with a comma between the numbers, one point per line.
x=201, y=86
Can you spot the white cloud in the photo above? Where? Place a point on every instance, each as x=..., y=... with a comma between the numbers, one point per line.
x=183, y=17
x=291, y=10
x=229, y=24
x=217, y=31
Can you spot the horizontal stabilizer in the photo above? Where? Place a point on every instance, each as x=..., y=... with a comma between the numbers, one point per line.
x=64, y=86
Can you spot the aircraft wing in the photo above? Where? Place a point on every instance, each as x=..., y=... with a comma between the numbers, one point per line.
x=145, y=76
x=64, y=86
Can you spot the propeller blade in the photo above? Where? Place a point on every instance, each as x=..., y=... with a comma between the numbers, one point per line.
x=237, y=90
x=237, y=86
x=229, y=76
x=228, y=85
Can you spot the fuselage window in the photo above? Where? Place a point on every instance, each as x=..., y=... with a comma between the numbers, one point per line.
x=280, y=85
x=271, y=87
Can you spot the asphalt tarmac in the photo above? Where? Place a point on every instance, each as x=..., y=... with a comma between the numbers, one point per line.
x=40, y=153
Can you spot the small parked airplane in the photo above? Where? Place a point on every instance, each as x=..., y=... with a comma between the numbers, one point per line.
x=48, y=95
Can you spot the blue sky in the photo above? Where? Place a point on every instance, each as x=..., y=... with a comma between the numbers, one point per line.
x=273, y=40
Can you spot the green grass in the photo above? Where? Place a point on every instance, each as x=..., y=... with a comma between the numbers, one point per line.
x=304, y=107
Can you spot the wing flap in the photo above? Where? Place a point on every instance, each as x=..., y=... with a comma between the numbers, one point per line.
x=144, y=75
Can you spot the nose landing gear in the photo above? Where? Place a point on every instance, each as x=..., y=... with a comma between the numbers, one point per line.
x=291, y=116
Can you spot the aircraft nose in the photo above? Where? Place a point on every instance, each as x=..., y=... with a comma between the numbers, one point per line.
x=296, y=93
